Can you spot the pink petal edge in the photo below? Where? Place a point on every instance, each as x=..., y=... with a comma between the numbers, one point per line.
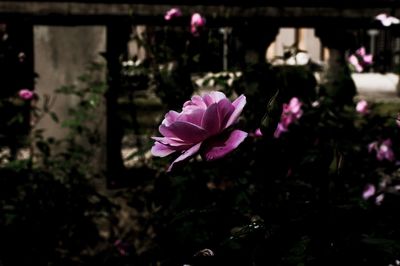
x=239, y=104
x=221, y=149
x=185, y=155
x=161, y=150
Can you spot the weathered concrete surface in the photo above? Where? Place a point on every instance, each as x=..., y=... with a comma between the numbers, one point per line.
x=286, y=37
x=376, y=86
x=61, y=55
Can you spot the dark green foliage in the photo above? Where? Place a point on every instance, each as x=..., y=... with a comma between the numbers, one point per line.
x=296, y=200
x=49, y=205
x=289, y=201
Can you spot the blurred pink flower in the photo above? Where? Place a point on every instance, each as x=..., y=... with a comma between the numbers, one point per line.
x=279, y=130
x=367, y=58
x=201, y=127
x=354, y=62
x=291, y=112
x=196, y=22
x=383, y=150
x=387, y=20
x=362, y=107
x=369, y=191
x=256, y=134
x=315, y=104
x=379, y=199
x=121, y=247
x=25, y=94
x=360, y=59
x=294, y=107
x=373, y=146
x=172, y=13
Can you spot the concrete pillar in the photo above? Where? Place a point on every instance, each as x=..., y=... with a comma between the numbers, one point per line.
x=255, y=41
x=310, y=43
x=135, y=49
x=285, y=37
x=337, y=83
x=61, y=55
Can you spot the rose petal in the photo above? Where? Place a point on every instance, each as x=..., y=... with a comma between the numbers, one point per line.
x=213, y=97
x=219, y=149
x=353, y=59
x=369, y=191
x=361, y=51
x=225, y=109
x=393, y=20
x=294, y=105
x=381, y=16
x=196, y=102
x=368, y=59
x=362, y=107
x=166, y=131
x=279, y=130
x=379, y=199
x=238, y=104
x=387, y=142
x=170, y=117
x=173, y=143
x=194, y=116
x=172, y=13
x=211, y=120
x=161, y=150
x=188, y=132
x=258, y=133
x=188, y=153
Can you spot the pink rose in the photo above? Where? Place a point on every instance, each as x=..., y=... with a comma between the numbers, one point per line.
x=379, y=199
x=201, y=127
x=172, y=13
x=387, y=20
x=383, y=150
x=354, y=62
x=196, y=22
x=362, y=107
x=291, y=113
x=369, y=191
x=25, y=94
x=294, y=107
x=360, y=59
x=366, y=58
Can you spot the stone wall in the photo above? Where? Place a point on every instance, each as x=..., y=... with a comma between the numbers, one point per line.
x=61, y=55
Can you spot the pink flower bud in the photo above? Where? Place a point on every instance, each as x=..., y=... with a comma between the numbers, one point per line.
x=196, y=22
x=362, y=107
x=290, y=114
x=387, y=20
x=369, y=191
x=172, y=13
x=25, y=94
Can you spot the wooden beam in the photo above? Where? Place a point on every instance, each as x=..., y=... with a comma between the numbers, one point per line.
x=271, y=3
x=101, y=13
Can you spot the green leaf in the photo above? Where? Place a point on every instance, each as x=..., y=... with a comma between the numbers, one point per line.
x=272, y=116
